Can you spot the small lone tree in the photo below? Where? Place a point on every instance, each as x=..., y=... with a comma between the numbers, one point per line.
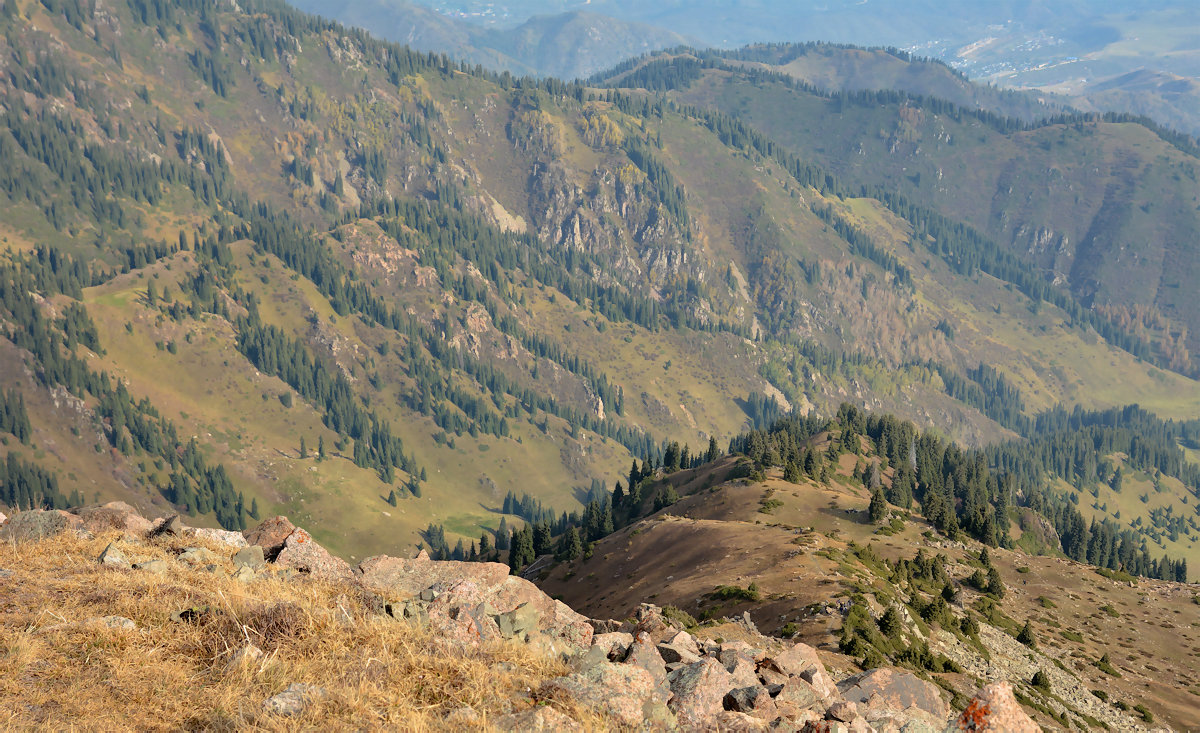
x=1041, y=681
x=878, y=507
x=995, y=585
x=1026, y=636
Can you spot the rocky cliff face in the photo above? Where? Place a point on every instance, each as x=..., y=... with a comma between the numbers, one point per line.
x=645, y=672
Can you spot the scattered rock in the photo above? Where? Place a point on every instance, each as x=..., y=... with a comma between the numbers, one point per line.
x=753, y=700
x=615, y=644
x=453, y=590
x=891, y=689
x=197, y=556
x=519, y=622
x=642, y=653
x=795, y=696
x=994, y=709
x=111, y=557
x=301, y=553
x=244, y=574
x=698, y=692
x=114, y=622
x=465, y=716
x=39, y=524
x=619, y=690
x=116, y=515
x=729, y=720
x=270, y=534
x=251, y=557
x=158, y=567
x=679, y=648
x=244, y=657
x=649, y=618
x=842, y=711
x=224, y=536
x=541, y=719
x=166, y=527
x=796, y=660
x=294, y=699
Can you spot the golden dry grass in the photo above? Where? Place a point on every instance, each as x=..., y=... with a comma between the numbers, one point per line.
x=61, y=668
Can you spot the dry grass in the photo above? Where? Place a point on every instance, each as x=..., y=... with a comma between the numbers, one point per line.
x=62, y=668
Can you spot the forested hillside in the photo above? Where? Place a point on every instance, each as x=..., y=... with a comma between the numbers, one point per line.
x=258, y=263
x=1104, y=208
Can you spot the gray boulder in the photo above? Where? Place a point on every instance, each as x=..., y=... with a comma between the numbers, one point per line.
x=111, y=557
x=38, y=524
x=294, y=699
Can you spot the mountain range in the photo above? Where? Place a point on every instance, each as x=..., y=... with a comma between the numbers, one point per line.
x=1092, y=56
x=706, y=306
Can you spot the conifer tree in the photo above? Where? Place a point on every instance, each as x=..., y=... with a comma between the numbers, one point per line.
x=572, y=545
x=878, y=507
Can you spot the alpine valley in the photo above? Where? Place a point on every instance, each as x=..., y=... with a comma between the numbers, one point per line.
x=903, y=370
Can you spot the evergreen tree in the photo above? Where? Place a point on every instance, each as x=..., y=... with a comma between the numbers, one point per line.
x=890, y=623
x=618, y=496
x=1041, y=681
x=503, y=535
x=522, y=552
x=321, y=447
x=1026, y=636
x=573, y=545
x=878, y=507
x=254, y=508
x=995, y=585
x=303, y=448
x=391, y=499
x=541, y=539
x=791, y=472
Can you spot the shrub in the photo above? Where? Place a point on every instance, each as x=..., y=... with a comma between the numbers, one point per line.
x=1026, y=636
x=1105, y=666
x=1041, y=681
x=1144, y=712
x=736, y=593
x=679, y=616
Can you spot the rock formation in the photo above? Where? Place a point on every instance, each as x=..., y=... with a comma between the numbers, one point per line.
x=645, y=672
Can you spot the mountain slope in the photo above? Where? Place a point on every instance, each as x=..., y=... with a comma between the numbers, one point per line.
x=807, y=554
x=1104, y=209
x=390, y=290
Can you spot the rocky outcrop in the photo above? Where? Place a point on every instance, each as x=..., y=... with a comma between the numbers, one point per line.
x=474, y=602
x=995, y=709
x=271, y=535
x=644, y=673
x=300, y=553
x=884, y=689
x=37, y=524
x=113, y=515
